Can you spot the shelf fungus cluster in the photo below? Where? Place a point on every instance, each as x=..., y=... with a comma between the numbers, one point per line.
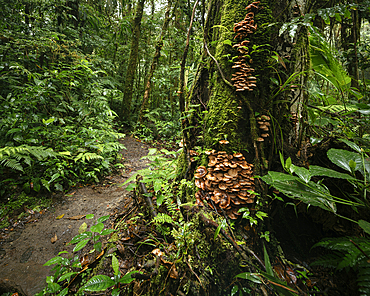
x=243, y=79
x=263, y=124
x=227, y=183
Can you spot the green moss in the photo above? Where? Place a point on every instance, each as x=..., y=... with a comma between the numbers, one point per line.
x=114, y=238
x=229, y=114
x=182, y=165
x=224, y=116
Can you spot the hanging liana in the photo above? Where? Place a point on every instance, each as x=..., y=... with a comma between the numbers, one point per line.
x=243, y=79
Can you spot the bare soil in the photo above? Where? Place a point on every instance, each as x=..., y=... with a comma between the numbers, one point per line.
x=24, y=250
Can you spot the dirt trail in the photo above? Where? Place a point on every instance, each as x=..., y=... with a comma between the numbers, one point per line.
x=24, y=251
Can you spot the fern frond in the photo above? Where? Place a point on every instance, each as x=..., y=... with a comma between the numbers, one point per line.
x=41, y=152
x=339, y=244
x=171, y=206
x=349, y=252
x=12, y=163
x=363, y=279
x=330, y=260
x=12, y=156
x=87, y=156
x=162, y=218
x=352, y=258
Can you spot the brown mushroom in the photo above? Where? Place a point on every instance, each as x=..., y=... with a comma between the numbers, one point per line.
x=211, y=177
x=232, y=216
x=225, y=201
x=244, y=165
x=207, y=183
x=224, y=142
x=263, y=126
x=193, y=153
x=200, y=183
x=222, y=186
x=216, y=198
x=232, y=172
x=212, y=162
x=265, y=117
x=202, y=171
x=242, y=193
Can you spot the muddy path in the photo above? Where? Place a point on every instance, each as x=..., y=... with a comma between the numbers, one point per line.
x=24, y=250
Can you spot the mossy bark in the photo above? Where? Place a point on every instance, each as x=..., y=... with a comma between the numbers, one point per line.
x=131, y=68
x=224, y=113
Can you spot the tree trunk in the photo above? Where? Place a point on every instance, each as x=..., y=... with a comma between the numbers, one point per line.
x=227, y=114
x=131, y=68
x=350, y=35
x=155, y=60
x=355, y=36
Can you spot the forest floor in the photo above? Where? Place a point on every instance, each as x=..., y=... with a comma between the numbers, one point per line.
x=34, y=241
x=26, y=247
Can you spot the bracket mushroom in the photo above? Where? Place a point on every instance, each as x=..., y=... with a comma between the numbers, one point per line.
x=228, y=182
x=243, y=79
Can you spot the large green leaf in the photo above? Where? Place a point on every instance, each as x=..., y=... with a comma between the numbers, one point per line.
x=97, y=228
x=115, y=264
x=81, y=237
x=56, y=260
x=365, y=226
x=320, y=171
x=354, y=146
x=268, y=266
x=53, y=287
x=309, y=193
x=80, y=245
x=302, y=173
x=254, y=277
x=103, y=218
x=342, y=158
x=99, y=282
x=67, y=276
x=277, y=176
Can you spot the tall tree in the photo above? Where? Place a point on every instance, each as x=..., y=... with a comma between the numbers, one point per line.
x=235, y=86
x=131, y=67
x=157, y=55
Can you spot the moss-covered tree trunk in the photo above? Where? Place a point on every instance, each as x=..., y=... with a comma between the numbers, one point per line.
x=226, y=113
x=131, y=67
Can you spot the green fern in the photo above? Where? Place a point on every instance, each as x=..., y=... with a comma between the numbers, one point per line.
x=12, y=156
x=171, y=206
x=162, y=218
x=363, y=278
x=87, y=156
x=12, y=163
x=348, y=252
